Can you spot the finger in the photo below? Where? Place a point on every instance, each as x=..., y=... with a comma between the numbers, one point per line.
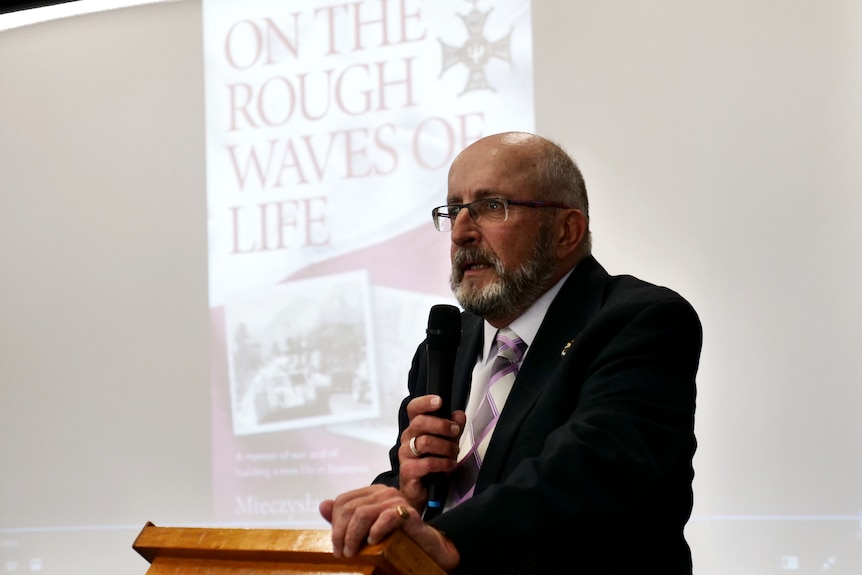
x=423, y=404
x=389, y=520
x=416, y=469
x=414, y=448
x=353, y=514
x=374, y=514
x=325, y=509
x=460, y=419
x=339, y=520
x=356, y=534
x=424, y=424
x=422, y=446
x=341, y=516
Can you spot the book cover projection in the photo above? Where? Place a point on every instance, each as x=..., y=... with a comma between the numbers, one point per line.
x=329, y=130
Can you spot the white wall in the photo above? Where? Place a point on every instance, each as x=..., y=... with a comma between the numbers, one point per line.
x=721, y=144
x=103, y=311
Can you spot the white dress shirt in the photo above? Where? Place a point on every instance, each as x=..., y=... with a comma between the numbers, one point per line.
x=525, y=326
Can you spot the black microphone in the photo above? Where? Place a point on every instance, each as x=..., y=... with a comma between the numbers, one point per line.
x=442, y=338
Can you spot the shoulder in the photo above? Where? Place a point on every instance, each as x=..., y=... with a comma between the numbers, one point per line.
x=594, y=300
x=591, y=281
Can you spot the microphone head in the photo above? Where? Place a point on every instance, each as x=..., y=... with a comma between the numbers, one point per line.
x=444, y=326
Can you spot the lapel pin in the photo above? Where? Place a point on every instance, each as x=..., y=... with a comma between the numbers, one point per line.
x=566, y=348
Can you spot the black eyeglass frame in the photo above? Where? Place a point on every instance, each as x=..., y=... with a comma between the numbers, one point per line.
x=437, y=213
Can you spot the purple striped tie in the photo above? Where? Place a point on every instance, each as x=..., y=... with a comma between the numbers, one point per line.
x=510, y=351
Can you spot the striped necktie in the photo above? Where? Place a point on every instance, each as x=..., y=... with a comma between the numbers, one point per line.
x=510, y=351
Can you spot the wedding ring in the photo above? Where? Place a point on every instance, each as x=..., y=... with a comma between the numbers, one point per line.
x=403, y=513
x=413, y=447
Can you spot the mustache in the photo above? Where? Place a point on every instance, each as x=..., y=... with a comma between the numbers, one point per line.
x=474, y=255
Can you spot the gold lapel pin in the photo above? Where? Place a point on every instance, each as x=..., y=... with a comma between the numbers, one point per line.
x=566, y=348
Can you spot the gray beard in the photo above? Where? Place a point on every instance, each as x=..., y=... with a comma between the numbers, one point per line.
x=512, y=291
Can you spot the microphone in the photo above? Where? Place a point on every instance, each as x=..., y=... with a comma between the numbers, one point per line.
x=442, y=339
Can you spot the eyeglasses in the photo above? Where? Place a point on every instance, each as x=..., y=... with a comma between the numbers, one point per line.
x=491, y=210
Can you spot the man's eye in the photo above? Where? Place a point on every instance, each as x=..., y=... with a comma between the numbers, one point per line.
x=453, y=211
x=493, y=205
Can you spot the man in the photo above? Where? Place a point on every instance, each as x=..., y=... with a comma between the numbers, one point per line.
x=589, y=464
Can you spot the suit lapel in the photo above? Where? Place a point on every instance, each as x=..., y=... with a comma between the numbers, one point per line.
x=578, y=300
x=472, y=328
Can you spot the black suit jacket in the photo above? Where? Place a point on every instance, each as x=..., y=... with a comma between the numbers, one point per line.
x=590, y=464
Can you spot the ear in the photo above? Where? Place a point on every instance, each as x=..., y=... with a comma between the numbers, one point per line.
x=572, y=232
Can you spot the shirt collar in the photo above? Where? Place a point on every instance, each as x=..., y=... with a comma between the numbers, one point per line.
x=527, y=324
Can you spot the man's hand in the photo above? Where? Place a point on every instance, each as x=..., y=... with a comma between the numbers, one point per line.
x=435, y=441
x=371, y=513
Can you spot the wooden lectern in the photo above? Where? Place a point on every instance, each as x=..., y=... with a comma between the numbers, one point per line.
x=187, y=550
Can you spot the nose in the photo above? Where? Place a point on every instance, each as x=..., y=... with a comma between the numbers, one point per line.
x=464, y=229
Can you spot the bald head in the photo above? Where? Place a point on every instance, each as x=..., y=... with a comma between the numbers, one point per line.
x=535, y=163
x=516, y=152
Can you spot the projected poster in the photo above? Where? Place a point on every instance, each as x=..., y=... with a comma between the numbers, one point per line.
x=330, y=129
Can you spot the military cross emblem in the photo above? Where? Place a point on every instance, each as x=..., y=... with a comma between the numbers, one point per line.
x=476, y=51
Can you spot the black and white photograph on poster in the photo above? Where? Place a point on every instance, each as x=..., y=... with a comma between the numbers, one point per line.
x=301, y=355
x=400, y=321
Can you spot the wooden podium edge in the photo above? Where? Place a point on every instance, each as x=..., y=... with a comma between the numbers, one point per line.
x=396, y=555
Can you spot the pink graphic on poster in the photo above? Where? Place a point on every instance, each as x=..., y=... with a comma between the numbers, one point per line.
x=330, y=129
